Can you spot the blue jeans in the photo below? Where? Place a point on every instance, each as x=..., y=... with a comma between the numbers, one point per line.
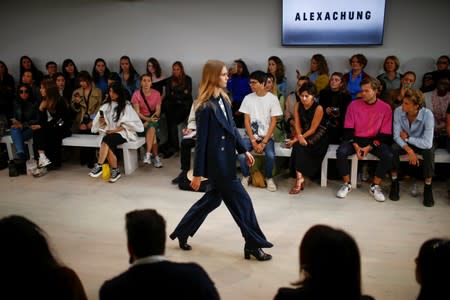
x=19, y=136
x=269, y=152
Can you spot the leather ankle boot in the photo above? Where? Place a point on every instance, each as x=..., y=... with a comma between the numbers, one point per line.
x=428, y=200
x=394, y=193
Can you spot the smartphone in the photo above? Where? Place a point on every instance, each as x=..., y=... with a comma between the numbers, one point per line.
x=102, y=114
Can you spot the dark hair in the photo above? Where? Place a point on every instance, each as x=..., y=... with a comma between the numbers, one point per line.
x=322, y=63
x=133, y=74
x=245, y=72
x=37, y=75
x=84, y=76
x=67, y=62
x=114, y=76
x=146, y=232
x=24, y=85
x=280, y=72
x=182, y=78
x=330, y=261
x=95, y=74
x=343, y=88
x=259, y=76
x=433, y=269
x=155, y=64
x=409, y=72
x=361, y=58
x=309, y=87
x=118, y=88
x=50, y=63
x=51, y=92
x=4, y=66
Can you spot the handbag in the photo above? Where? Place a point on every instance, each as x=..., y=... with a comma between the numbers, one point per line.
x=320, y=132
x=258, y=179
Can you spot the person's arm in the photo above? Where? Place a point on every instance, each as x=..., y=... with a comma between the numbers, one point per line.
x=425, y=140
x=202, y=117
x=298, y=126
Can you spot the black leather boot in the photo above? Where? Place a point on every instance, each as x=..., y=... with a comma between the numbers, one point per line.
x=428, y=200
x=394, y=193
x=257, y=253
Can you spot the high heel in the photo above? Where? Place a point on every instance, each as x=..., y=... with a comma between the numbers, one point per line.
x=258, y=253
x=182, y=242
x=298, y=186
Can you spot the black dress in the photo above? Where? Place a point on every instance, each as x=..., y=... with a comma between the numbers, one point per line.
x=335, y=99
x=308, y=159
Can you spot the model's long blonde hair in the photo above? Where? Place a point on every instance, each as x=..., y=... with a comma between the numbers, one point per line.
x=210, y=80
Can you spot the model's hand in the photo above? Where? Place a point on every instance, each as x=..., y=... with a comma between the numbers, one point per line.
x=250, y=159
x=412, y=157
x=195, y=183
x=358, y=151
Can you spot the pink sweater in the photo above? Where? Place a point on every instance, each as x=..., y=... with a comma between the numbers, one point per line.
x=369, y=120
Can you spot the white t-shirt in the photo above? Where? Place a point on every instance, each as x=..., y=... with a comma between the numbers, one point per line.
x=261, y=110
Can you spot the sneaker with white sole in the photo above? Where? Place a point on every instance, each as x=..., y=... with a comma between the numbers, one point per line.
x=157, y=162
x=148, y=158
x=344, y=190
x=115, y=174
x=244, y=181
x=271, y=187
x=96, y=171
x=43, y=161
x=377, y=193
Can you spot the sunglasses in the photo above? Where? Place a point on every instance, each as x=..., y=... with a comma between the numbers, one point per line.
x=23, y=92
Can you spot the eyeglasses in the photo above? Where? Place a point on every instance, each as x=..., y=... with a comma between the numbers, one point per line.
x=23, y=92
x=252, y=82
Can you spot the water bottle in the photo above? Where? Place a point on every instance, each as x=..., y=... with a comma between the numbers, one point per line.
x=414, y=191
x=106, y=172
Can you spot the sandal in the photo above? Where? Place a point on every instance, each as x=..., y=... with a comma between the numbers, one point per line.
x=299, y=185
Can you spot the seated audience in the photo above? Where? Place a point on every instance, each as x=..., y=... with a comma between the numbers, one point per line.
x=155, y=72
x=100, y=74
x=352, y=79
x=261, y=110
x=433, y=269
x=330, y=267
x=29, y=268
x=27, y=78
x=187, y=143
x=289, y=109
x=311, y=142
x=395, y=97
x=51, y=68
x=239, y=87
x=427, y=83
x=70, y=71
x=128, y=75
x=391, y=76
x=413, y=134
x=277, y=69
x=26, y=64
x=150, y=273
x=318, y=72
x=278, y=133
x=7, y=91
x=367, y=129
x=147, y=103
x=25, y=115
x=117, y=123
x=85, y=102
x=433, y=77
x=115, y=77
x=176, y=105
x=335, y=99
x=52, y=125
x=437, y=101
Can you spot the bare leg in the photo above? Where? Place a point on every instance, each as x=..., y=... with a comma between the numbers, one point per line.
x=104, y=149
x=112, y=159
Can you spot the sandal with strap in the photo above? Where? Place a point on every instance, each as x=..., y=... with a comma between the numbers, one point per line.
x=299, y=185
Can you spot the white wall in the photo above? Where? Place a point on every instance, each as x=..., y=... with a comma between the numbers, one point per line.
x=195, y=30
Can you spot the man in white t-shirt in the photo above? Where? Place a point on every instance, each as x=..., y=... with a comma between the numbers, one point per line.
x=261, y=110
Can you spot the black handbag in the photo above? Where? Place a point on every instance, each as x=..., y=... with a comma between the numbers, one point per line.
x=320, y=132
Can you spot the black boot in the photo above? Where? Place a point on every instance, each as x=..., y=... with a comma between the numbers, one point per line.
x=394, y=193
x=428, y=200
x=176, y=180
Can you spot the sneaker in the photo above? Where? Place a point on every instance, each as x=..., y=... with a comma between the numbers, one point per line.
x=148, y=158
x=157, y=162
x=376, y=192
x=115, y=174
x=43, y=161
x=428, y=200
x=344, y=190
x=394, y=193
x=271, y=187
x=96, y=171
x=244, y=181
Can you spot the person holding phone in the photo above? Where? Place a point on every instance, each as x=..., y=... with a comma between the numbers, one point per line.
x=215, y=158
x=395, y=97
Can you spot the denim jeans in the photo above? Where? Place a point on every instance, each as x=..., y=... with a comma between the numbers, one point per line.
x=269, y=152
x=19, y=136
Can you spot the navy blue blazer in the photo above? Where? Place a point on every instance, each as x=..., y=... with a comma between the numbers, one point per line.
x=217, y=142
x=161, y=280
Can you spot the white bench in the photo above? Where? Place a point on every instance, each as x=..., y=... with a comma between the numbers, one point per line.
x=130, y=149
x=7, y=140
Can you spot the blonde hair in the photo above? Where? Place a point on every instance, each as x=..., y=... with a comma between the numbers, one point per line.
x=210, y=80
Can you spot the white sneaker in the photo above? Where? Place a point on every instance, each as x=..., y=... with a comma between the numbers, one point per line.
x=271, y=187
x=148, y=158
x=344, y=190
x=244, y=181
x=157, y=162
x=377, y=193
x=43, y=161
